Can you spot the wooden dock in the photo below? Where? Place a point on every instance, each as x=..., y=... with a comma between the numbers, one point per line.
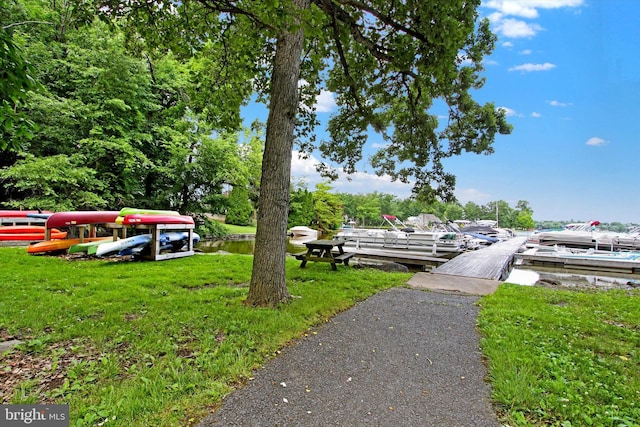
x=493, y=262
x=399, y=256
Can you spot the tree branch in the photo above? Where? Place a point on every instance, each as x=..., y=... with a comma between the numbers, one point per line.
x=15, y=24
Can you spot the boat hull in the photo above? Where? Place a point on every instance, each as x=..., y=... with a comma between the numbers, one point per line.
x=154, y=219
x=111, y=248
x=58, y=245
x=28, y=233
x=65, y=219
x=135, y=211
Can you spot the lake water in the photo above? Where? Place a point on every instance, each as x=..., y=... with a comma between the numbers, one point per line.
x=242, y=246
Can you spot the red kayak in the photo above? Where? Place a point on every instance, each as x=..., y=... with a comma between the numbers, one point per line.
x=150, y=219
x=28, y=233
x=21, y=229
x=65, y=219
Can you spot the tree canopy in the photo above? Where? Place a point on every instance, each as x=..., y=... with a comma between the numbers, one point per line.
x=198, y=61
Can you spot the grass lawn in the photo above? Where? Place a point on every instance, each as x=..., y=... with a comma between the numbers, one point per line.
x=160, y=343
x=152, y=343
x=240, y=229
x=563, y=357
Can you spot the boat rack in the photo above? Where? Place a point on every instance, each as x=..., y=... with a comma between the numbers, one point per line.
x=156, y=230
x=120, y=231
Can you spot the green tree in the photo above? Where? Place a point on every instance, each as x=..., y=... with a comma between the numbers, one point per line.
x=240, y=211
x=301, y=207
x=387, y=63
x=56, y=183
x=368, y=210
x=524, y=220
x=16, y=81
x=327, y=208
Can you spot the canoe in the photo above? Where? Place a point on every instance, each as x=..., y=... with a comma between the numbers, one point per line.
x=28, y=233
x=22, y=229
x=135, y=211
x=20, y=214
x=61, y=219
x=148, y=219
x=91, y=242
x=110, y=248
x=57, y=245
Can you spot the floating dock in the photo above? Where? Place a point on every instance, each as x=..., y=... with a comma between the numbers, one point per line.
x=399, y=256
x=493, y=262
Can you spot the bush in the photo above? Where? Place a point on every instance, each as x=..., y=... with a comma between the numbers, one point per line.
x=212, y=229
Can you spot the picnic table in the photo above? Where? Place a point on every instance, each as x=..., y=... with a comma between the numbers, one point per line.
x=323, y=251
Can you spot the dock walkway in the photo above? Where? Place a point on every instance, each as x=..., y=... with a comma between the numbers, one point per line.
x=493, y=262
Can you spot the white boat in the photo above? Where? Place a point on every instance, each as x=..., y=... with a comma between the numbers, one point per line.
x=398, y=235
x=587, y=236
x=582, y=259
x=301, y=232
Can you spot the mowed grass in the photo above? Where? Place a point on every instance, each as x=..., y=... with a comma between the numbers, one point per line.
x=154, y=343
x=563, y=357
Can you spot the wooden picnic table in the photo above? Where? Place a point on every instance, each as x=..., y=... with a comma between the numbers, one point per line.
x=323, y=251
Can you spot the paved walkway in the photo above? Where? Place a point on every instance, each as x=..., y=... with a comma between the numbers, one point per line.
x=404, y=357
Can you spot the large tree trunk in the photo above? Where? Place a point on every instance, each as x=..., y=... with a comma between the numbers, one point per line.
x=268, y=285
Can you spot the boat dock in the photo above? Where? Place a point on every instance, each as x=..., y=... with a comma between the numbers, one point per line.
x=399, y=256
x=493, y=262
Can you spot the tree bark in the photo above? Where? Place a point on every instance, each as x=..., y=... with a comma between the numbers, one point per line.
x=268, y=285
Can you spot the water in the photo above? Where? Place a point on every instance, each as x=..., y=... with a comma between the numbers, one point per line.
x=245, y=246
x=571, y=280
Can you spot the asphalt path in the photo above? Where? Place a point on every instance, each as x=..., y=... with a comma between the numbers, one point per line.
x=404, y=357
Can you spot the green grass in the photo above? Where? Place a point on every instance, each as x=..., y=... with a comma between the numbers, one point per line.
x=562, y=357
x=155, y=343
x=240, y=229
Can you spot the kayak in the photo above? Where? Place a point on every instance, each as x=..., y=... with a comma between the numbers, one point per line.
x=21, y=229
x=149, y=219
x=28, y=233
x=57, y=245
x=135, y=211
x=84, y=247
x=110, y=248
x=20, y=214
x=61, y=219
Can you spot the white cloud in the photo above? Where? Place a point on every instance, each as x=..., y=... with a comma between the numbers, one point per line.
x=536, y=115
x=507, y=44
x=325, y=102
x=515, y=28
x=359, y=182
x=596, y=142
x=528, y=67
x=526, y=52
x=529, y=8
x=555, y=103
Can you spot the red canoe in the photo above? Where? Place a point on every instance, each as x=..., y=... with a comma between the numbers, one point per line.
x=65, y=219
x=149, y=219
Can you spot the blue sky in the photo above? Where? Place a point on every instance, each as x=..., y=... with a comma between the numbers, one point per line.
x=568, y=74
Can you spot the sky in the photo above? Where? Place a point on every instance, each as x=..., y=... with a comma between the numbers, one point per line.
x=567, y=72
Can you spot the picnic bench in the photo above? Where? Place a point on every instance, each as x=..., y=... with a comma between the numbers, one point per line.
x=323, y=251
